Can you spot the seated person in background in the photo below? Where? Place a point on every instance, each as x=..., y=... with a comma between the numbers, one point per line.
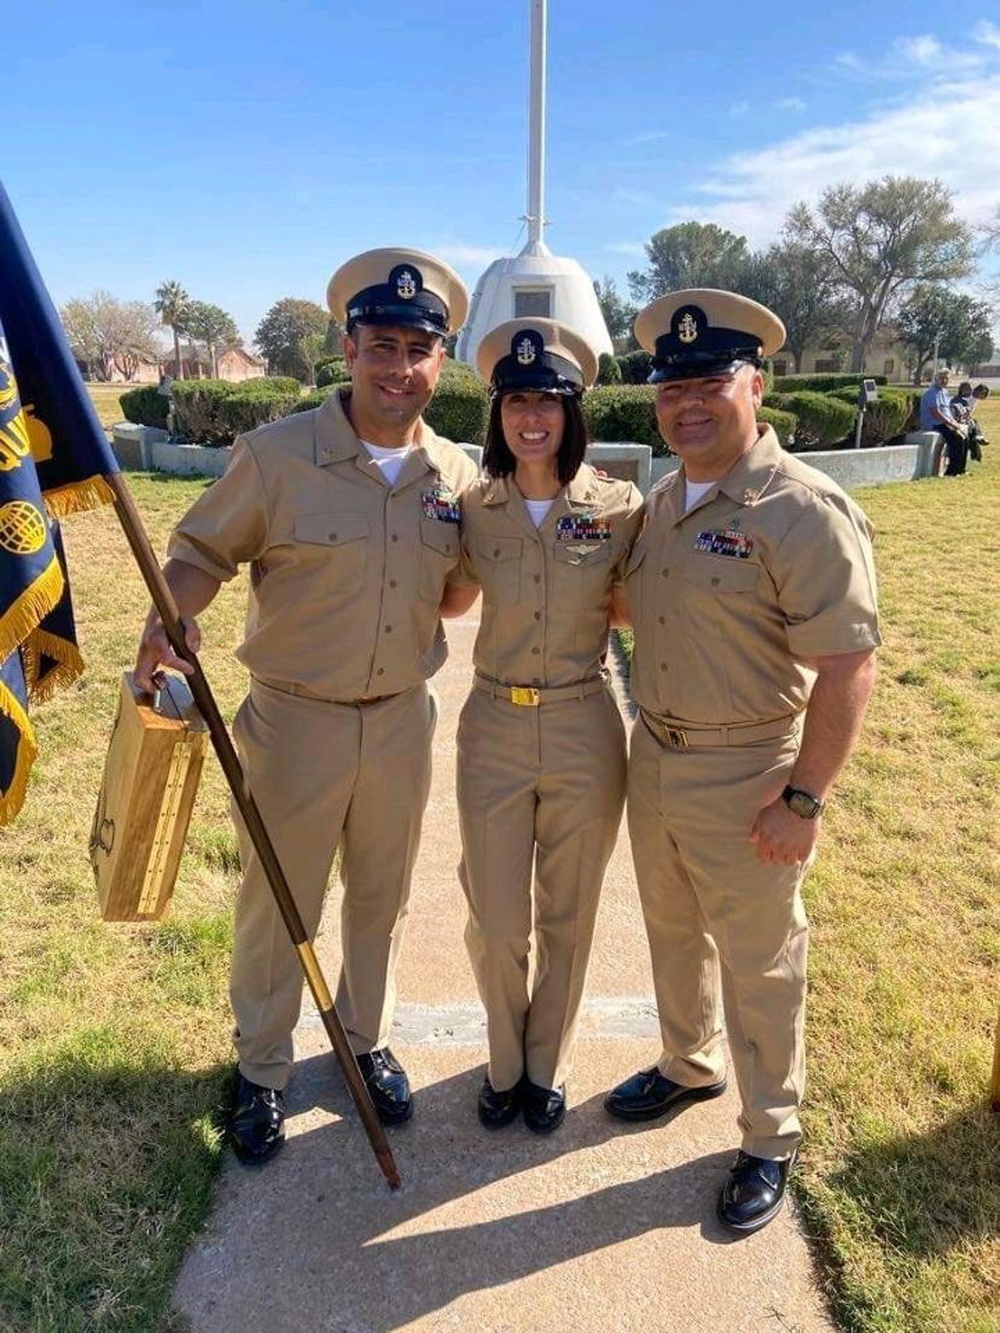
x=963, y=407
x=936, y=415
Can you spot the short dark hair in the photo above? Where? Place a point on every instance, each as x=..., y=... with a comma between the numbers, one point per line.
x=498, y=461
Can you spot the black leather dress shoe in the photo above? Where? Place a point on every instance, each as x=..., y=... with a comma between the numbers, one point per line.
x=754, y=1192
x=544, y=1108
x=648, y=1094
x=257, y=1127
x=388, y=1086
x=497, y=1109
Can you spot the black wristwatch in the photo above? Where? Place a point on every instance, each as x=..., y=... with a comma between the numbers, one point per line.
x=803, y=803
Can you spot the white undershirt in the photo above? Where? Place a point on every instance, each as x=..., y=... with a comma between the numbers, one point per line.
x=390, y=461
x=694, y=490
x=537, y=509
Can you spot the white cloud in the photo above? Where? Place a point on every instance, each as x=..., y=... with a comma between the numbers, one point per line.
x=630, y=248
x=651, y=136
x=790, y=104
x=987, y=33
x=942, y=129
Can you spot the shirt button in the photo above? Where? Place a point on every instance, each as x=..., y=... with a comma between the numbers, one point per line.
x=538, y=615
x=536, y=680
x=388, y=629
x=496, y=553
x=380, y=671
x=663, y=620
x=333, y=536
x=395, y=537
x=392, y=583
x=715, y=583
x=536, y=652
x=538, y=578
x=665, y=573
x=663, y=666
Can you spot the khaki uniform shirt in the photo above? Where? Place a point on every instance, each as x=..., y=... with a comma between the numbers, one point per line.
x=546, y=590
x=347, y=572
x=772, y=566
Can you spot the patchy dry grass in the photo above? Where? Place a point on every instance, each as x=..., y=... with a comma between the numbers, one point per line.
x=114, y=1040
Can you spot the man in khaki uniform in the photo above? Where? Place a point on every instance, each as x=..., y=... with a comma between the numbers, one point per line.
x=752, y=594
x=541, y=743
x=348, y=518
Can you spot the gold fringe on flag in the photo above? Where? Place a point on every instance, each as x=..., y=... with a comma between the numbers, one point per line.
x=67, y=664
x=12, y=799
x=33, y=605
x=78, y=496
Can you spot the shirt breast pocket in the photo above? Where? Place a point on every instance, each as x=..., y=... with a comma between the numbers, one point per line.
x=720, y=575
x=439, y=552
x=336, y=545
x=498, y=567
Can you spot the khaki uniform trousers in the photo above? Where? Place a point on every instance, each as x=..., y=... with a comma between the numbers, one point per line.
x=538, y=787
x=325, y=775
x=716, y=916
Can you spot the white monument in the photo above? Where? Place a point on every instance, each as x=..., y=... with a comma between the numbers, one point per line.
x=535, y=283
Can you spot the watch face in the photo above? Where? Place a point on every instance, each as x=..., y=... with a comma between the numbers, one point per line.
x=803, y=805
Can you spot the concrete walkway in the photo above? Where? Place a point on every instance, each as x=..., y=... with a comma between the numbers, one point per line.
x=600, y=1228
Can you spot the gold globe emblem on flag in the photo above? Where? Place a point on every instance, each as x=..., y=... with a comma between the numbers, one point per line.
x=23, y=529
x=15, y=441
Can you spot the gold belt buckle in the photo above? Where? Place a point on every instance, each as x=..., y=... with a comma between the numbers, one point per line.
x=676, y=737
x=525, y=696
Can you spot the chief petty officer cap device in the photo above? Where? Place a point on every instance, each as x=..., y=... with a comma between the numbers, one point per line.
x=535, y=356
x=702, y=331
x=398, y=286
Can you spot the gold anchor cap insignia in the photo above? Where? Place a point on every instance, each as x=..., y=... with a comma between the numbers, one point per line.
x=687, y=328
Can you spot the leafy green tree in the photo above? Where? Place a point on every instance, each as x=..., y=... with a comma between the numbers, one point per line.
x=959, y=327
x=692, y=254
x=211, y=325
x=882, y=239
x=107, y=335
x=171, y=304
x=284, y=335
x=798, y=284
x=619, y=315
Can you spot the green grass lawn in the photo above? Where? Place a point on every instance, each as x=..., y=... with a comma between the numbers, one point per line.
x=114, y=1040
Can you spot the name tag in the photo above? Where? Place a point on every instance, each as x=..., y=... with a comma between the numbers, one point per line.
x=724, y=541
x=440, y=505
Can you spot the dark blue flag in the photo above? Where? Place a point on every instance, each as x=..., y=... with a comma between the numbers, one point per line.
x=53, y=460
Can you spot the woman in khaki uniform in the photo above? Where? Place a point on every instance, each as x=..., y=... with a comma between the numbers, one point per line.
x=541, y=744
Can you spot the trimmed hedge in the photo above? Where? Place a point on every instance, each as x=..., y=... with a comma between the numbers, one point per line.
x=608, y=369
x=214, y=412
x=635, y=367
x=822, y=383
x=892, y=413
x=623, y=413
x=332, y=372
x=146, y=406
x=822, y=419
x=460, y=408
x=785, y=424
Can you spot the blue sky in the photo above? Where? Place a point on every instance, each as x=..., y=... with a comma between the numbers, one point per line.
x=248, y=149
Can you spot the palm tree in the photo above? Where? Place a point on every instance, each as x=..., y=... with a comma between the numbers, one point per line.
x=171, y=305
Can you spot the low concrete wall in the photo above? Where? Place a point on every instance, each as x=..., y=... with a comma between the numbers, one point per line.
x=852, y=468
x=146, y=448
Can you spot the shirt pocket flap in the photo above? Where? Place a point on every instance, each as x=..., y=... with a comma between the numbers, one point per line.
x=722, y=573
x=499, y=548
x=439, y=535
x=330, y=529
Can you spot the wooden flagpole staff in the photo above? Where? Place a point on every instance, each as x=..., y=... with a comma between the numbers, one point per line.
x=166, y=607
